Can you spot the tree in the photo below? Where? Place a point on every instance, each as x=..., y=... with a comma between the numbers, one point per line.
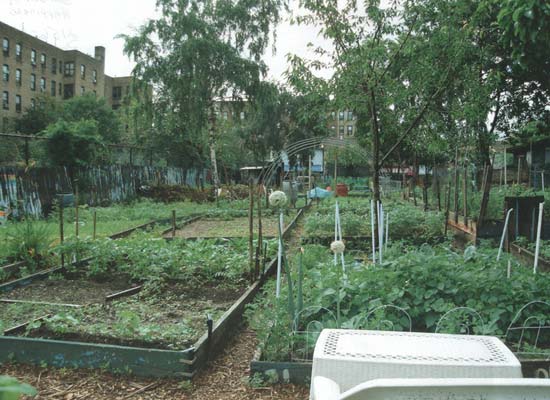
x=200, y=52
x=387, y=69
x=37, y=118
x=88, y=107
x=74, y=144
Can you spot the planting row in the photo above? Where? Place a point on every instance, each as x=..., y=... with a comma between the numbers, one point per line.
x=182, y=284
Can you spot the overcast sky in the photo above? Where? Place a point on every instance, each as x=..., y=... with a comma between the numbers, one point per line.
x=84, y=24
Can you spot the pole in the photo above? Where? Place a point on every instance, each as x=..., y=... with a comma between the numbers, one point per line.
x=372, y=232
x=542, y=181
x=505, y=169
x=447, y=206
x=335, y=173
x=76, y=209
x=61, y=235
x=504, y=232
x=465, y=195
x=95, y=224
x=519, y=170
x=309, y=176
x=279, y=256
x=456, y=187
x=173, y=223
x=537, y=247
x=251, y=231
x=387, y=231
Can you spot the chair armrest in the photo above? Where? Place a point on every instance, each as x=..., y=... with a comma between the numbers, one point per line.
x=324, y=389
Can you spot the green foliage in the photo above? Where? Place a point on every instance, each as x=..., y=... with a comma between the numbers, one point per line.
x=29, y=241
x=197, y=52
x=92, y=108
x=74, y=144
x=12, y=389
x=426, y=282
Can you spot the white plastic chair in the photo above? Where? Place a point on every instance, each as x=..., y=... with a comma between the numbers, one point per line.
x=435, y=389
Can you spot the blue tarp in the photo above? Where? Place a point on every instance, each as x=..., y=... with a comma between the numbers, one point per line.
x=318, y=193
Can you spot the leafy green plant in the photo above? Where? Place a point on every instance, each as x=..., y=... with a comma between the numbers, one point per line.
x=30, y=241
x=12, y=389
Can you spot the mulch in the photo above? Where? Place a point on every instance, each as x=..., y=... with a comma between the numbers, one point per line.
x=225, y=378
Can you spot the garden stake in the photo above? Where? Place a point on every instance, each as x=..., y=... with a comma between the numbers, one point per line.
x=173, y=223
x=340, y=238
x=380, y=230
x=95, y=224
x=260, y=236
x=387, y=231
x=447, y=207
x=300, y=282
x=505, y=170
x=542, y=181
x=61, y=229
x=251, y=232
x=76, y=208
x=509, y=270
x=291, y=308
x=537, y=247
x=279, y=255
x=372, y=232
x=504, y=232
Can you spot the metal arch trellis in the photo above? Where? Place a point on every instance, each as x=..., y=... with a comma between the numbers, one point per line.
x=531, y=323
x=387, y=321
x=465, y=311
x=310, y=143
x=303, y=339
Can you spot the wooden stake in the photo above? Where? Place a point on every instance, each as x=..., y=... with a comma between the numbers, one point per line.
x=465, y=195
x=76, y=208
x=251, y=231
x=95, y=224
x=259, y=247
x=173, y=223
x=456, y=187
x=447, y=206
x=61, y=236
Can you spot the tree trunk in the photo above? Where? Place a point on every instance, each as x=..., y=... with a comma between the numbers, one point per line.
x=212, y=146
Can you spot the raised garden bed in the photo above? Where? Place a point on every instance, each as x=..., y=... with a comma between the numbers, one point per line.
x=209, y=227
x=139, y=356
x=527, y=258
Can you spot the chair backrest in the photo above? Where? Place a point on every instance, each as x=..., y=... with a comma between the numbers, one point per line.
x=445, y=389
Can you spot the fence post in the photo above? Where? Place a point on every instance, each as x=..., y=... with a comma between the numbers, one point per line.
x=76, y=208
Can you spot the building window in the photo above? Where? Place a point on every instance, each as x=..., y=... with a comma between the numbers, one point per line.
x=33, y=82
x=225, y=115
x=60, y=67
x=350, y=115
x=33, y=104
x=68, y=91
x=43, y=60
x=5, y=100
x=333, y=115
x=350, y=130
x=341, y=115
x=117, y=93
x=242, y=115
x=18, y=77
x=42, y=84
x=17, y=103
x=341, y=130
x=54, y=65
x=33, y=57
x=60, y=91
x=6, y=47
x=82, y=90
x=18, y=51
x=5, y=72
x=53, y=88
x=94, y=76
x=69, y=69
x=82, y=71
x=333, y=127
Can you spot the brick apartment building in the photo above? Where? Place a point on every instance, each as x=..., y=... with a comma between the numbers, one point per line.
x=31, y=67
